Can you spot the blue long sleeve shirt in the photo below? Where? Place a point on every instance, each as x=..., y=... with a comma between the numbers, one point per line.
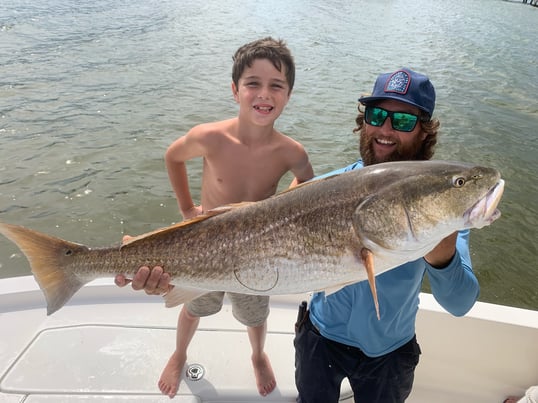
x=348, y=316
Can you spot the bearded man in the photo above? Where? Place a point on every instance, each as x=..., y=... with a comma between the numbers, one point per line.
x=340, y=335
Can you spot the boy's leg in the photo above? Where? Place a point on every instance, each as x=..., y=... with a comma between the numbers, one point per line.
x=187, y=323
x=171, y=375
x=265, y=378
x=252, y=311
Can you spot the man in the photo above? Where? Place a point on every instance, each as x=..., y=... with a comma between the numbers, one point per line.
x=341, y=337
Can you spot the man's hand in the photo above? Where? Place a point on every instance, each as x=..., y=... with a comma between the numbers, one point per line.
x=153, y=281
x=443, y=253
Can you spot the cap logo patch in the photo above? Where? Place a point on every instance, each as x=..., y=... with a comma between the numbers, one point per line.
x=398, y=82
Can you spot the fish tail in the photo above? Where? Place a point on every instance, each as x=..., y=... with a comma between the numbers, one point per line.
x=49, y=260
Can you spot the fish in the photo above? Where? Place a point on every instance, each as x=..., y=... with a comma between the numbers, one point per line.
x=319, y=236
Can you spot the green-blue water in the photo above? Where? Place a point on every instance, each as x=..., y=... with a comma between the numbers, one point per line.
x=92, y=93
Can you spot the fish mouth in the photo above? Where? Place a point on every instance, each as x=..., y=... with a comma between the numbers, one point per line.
x=484, y=211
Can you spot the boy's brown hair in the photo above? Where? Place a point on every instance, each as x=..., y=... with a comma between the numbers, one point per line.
x=276, y=51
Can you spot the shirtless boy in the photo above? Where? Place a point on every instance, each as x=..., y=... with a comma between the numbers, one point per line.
x=244, y=159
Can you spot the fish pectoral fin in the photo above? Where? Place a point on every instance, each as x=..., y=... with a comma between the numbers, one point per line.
x=367, y=258
x=177, y=296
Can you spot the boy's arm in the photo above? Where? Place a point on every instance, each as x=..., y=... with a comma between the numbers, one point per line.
x=183, y=149
x=153, y=280
x=302, y=168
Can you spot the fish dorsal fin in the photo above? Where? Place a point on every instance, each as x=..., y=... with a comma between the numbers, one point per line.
x=178, y=295
x=307, y=183
x=186, y=223
x=228, y=207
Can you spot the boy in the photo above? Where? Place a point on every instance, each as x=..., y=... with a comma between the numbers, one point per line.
x=244, y=159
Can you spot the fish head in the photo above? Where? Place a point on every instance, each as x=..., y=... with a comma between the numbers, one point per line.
x=411, y=213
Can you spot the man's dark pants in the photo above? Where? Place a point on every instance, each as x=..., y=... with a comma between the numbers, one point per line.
x=321, y=365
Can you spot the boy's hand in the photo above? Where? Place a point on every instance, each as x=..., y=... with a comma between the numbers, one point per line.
x=194, y=211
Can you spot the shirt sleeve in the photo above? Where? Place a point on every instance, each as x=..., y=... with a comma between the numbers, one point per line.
x=455, y=287
x=356, y=165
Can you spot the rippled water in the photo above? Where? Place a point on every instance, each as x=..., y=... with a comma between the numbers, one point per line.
x=92, y=93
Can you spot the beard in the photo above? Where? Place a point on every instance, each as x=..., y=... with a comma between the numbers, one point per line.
x=411, y=152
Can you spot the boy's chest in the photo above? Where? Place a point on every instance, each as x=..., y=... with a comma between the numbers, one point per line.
x=244, y=176
x=233, y=186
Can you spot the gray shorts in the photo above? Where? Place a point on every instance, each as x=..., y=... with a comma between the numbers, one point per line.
x=250, y=310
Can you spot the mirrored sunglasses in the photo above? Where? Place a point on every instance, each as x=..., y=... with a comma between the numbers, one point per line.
x=400, y=121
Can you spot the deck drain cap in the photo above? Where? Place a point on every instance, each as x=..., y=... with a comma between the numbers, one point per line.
x=195, y=372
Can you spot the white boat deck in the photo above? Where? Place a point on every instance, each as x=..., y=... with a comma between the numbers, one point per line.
x=110, y=345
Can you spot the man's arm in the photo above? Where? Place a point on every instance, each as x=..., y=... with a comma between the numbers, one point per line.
x=443, y=253
x=452, y=281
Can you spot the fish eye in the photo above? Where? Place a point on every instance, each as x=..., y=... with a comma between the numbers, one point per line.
x=459, y=181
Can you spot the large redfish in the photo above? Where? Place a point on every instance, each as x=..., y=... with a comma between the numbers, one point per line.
x=321, y=235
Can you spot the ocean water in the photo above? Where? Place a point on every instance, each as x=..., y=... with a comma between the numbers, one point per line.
x=92, y=93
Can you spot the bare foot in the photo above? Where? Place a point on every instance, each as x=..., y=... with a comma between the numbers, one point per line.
x=265, y=378
x=511, y=399
x=171, y=375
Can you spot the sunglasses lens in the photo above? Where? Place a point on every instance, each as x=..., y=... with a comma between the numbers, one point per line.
x=404, y=122
x=401, y=121
x=375, y=116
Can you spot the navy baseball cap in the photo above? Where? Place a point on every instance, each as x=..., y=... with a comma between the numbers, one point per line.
x=406, y=86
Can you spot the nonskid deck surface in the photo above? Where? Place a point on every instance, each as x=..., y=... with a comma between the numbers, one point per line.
x=116, y=360
x=111, y=345
x=116, y=350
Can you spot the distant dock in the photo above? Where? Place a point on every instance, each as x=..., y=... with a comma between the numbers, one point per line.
x=533, y=3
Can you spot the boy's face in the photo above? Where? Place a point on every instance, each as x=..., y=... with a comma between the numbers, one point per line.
x=262, y=92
